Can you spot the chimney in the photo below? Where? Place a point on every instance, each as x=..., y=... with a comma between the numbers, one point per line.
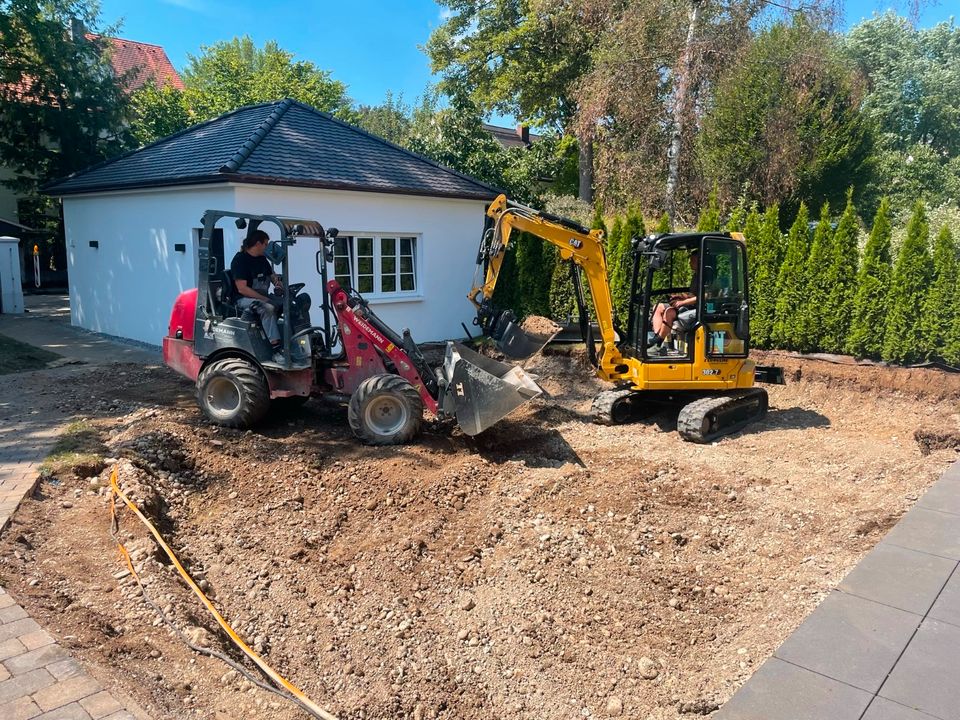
x=523, y=132
x=78, y=33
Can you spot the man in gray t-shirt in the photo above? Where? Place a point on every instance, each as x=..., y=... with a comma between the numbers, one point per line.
x=252, y=276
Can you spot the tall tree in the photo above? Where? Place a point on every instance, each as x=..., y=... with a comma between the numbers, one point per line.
x=841, y=280
x=816, y=288
x=868, y=318
x=518, y=57
x=765, y=251
x=709, y=220
x=157, y=112
x=788, y=324
x=940, y=306
x=391, y=119
x=61, y=108
x=903, y=335
x=231, y=74
x=785, y=121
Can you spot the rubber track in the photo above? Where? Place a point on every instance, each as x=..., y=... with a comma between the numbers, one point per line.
x=385, y=383
x=602, y=408
x=690, y=420
x=255, y=395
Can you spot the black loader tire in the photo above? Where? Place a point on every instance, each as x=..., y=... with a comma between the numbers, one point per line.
x=385, y=410
x=233, y=393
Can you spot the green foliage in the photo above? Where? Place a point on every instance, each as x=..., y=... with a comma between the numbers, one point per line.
x=940, y=308
x=663, y=225
x=841, y=281
x=230, y=74
x=710, y=217
x=392, y=119
x=764, y=253
x=618, y=262
x=157, y=112
x=61, y=108
x=788, y=326
x=785, y=121
x=903, y=335
x=812, y=311
x=868, y=319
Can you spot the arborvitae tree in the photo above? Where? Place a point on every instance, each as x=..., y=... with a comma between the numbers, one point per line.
x=868, y=319
x=598, y=222
x=814, y=303
x=756, y=252
x=940, y=304
x=903, y=336
x=663, y=224
x=840, y=280
x=618, y=262
x=710, y=216
x=763, y=287
x=787, y=324
x=535, y=260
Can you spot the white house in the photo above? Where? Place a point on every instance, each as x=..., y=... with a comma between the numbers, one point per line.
x=409, y=228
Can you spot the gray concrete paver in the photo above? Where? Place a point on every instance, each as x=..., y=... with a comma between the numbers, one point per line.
x=850, y=639
x=927, y=677
x=65, y=692
x=73, y=711
x=898, y=577
x=18, y=687
x=947, y=606
x=929, y=531
x=23, y=709
x=883, y=709
x=33, y=659
x=943, y=496
x=782, y=691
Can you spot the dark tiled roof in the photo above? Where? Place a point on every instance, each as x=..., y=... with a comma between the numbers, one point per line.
x=280, y=143
x=510, y=137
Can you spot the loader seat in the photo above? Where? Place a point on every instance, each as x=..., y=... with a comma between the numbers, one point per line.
x=224, y=291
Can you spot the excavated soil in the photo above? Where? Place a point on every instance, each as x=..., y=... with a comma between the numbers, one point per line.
x=550, y=568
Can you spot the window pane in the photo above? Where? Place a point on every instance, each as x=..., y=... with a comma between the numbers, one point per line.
x=364, y=265
x=365, y=283
x=364, y=246
x=406, y=282
x=388, y=265
x=406, y=246
x=388, y=283
x=406, y=264
x=341, y=266
x=388, y=246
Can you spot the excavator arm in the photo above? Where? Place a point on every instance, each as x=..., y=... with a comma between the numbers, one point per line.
x=584, y=247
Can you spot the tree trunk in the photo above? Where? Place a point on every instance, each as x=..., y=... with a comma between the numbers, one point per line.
x=681, y=107
x=585, y=164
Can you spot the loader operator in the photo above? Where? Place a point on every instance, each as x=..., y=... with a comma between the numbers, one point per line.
x=252, y=275
x=681, y=308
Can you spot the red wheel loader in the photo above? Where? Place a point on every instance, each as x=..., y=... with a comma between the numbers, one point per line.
x=350, y=357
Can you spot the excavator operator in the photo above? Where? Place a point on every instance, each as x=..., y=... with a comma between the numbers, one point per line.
x=681, y=309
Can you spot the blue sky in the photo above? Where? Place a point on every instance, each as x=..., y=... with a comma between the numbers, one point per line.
x=371, y=45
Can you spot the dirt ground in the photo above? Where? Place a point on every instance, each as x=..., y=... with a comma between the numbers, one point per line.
x=548, y=569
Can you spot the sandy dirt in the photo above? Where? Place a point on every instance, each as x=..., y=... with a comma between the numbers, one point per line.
x=550, y=568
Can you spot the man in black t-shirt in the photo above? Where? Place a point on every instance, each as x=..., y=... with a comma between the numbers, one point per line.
x=253, y=275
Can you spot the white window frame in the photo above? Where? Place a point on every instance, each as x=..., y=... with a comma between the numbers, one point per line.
x=378, y=293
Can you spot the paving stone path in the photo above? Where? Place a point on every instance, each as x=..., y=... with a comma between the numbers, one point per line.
x=885, y=645
x=38, y=678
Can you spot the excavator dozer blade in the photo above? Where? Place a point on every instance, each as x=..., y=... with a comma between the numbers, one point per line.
x=481, y=391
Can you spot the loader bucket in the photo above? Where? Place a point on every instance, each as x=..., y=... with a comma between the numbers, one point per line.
x=480, y=390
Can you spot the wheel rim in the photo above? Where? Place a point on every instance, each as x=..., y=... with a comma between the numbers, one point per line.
x=385, y=415
x=223, y=396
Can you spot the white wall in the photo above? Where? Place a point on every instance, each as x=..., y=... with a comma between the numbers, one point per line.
x=127, y=286
x=449, y=233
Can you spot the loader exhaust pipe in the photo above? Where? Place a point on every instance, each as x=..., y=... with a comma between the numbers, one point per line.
x=481, y=391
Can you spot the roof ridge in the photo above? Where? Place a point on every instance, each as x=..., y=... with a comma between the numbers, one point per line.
x=256, y=137
x=404, y=150
x=128, y=153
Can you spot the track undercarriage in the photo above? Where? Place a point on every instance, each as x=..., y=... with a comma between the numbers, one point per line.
x=701, y=420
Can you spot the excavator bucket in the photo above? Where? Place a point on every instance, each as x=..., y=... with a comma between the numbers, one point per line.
x=518, y=344
x=481, y=391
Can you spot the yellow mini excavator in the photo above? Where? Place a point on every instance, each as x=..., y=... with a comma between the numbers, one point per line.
x=698, y=359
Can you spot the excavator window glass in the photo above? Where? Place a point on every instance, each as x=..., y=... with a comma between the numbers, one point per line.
x=724, y=297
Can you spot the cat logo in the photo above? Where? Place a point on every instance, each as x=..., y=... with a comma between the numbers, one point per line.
x=576, y=243
x=460, y=392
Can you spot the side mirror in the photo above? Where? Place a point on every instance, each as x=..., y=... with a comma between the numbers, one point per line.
x=298, y=230
x=743, y=323
x=276, y=252
x=332, y=233
x=659, y=259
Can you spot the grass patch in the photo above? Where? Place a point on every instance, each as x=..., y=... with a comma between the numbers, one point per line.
x=79, y=450
x=16, y=356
